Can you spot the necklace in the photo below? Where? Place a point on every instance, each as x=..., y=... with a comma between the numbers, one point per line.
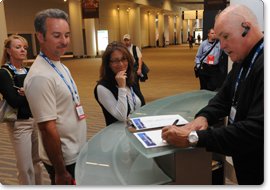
x=19, y=69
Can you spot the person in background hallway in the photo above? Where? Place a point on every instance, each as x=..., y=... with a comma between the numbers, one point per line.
x=241, y=98
x=137, y=69
x=190, y=40
x=199, y=39
x=54, y=99
x=209, y=69
x=23, y=133
x=117, y=92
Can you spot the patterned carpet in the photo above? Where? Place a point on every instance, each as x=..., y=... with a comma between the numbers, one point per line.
x=171, y=72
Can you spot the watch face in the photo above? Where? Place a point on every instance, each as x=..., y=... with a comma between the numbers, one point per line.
x=192, y=139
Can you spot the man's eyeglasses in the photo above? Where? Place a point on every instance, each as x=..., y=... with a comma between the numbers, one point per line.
x=123, y=60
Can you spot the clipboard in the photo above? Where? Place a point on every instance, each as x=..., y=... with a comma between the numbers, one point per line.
x=153, y=122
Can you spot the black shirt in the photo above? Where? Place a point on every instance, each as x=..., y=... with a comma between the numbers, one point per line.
x=11, y=95
x=244, y=139
x=112, y=86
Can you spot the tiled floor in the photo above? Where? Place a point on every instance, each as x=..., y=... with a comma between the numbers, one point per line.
x=171, y=72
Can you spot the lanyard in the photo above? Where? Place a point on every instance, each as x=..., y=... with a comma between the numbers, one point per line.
x=15, y=70
x=61, y=75
x=239, y=76
x=133, y=97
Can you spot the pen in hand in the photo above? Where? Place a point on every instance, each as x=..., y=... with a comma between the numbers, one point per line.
x=176, y=121
x=17, y=87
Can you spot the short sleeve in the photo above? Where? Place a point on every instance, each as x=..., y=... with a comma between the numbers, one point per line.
x=40, y=94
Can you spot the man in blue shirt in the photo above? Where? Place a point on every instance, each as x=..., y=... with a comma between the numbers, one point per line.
x=208, y=67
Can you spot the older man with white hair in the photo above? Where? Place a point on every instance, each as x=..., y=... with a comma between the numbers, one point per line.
x=241, y=98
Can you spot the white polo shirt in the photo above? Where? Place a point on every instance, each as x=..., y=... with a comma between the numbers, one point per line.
x=50, y=99
x=139, y=54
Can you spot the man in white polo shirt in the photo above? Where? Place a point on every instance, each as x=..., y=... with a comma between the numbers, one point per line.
x=137, y=60
x=54, y=101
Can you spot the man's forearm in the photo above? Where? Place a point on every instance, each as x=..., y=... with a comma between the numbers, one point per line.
x=140, y=63
x=52, y=145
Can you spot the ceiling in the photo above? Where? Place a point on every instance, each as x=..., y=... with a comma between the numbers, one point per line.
x=188, y=4
x=191, y=4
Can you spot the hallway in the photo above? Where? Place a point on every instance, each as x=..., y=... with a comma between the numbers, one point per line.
x=171, y=72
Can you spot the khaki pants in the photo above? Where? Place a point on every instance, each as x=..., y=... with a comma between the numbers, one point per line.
x=23, y=135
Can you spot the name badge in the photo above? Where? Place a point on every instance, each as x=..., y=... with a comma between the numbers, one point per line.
x=80, y=112
x=210, y=59
x=232, y=114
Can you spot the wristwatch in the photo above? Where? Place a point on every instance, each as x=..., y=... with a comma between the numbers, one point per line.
x=193, y=138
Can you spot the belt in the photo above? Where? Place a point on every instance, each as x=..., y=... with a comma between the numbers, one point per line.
x=209, y=65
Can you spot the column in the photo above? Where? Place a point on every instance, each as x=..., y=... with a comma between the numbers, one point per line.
x=109, y=20
x=171, y=30
x=90, y=37
x=190, y=26
x=76, y=28
x=185, y=31
x=152, y=28
x=161, y=29
x=123, y=21
x=3, y=31
x=135, y=25
x=179, y=24
x=200, y=23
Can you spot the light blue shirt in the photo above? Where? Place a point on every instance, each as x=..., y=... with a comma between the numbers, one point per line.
x=204, y=48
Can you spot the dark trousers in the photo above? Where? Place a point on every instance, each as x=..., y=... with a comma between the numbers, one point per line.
x=209, y=77
x=137, y=78
x=190, y=45
x=51, y=172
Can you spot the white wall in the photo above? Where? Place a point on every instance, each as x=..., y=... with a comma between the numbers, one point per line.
x=3, y=31
x=109, y=20
x=144, y=28
x=257, y=7
x=20, y=15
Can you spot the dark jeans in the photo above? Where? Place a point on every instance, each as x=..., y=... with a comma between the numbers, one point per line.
x=51, y=172
x=209, y=77
x=190, y=45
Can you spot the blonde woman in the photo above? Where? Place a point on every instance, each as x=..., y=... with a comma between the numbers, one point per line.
x=23, y=133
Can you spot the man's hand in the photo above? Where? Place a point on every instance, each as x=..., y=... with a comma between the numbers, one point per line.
x=200, y=123
x=176, y=136
x=139, y=72
x=63, y=178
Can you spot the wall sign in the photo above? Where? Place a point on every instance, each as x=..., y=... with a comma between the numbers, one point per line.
x=190, y=14
x=90, y=9
x=103, y=40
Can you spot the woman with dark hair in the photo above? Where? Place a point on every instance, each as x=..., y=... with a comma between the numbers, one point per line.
x=117, y=92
